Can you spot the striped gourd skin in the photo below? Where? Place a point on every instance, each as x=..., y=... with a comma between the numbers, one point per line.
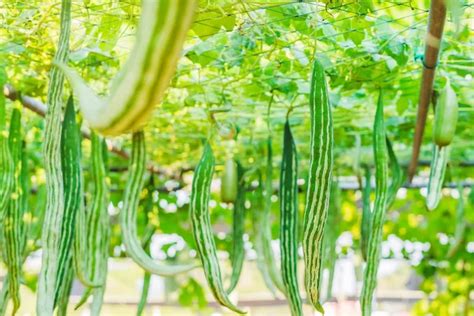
x=13, y=225
x=365, y=227
x=238, y=222
x=461, y=224
x=143, y=80
x=397, y=174
x=99, y=225
x=73, y=194
x=258, y=225
x=319, y=182
x=331, y=234
x=289, y=222
x=54, y=180
x=437, y=171
x=6, y=162
x=202, y=229
x=63, y=294
x=378, y=214
x=128, y=215
x=96, y=230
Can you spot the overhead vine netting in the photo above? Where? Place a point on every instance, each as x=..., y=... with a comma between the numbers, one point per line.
x=244, y=69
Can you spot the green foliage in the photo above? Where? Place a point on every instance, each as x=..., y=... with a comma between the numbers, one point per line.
x=241, y=55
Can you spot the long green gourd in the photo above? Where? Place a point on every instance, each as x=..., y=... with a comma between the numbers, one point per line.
x=62, y=297
x=5, y=294
x=97, y=230
x=289, y=222
x=142, y=82
x=13, y=225
x=6, y=162
x=365, y=226
x=319, y=182
x=128, y=215
x=461, y=224
x=100, y=246
x=50, y=238
x=437, y=172
x=378, y=213
x=238, y=252
x=258, y=210
x=202, y=229
x=72, y=180
x=331, y=234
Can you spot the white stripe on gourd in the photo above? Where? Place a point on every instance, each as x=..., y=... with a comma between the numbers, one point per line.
x=142, y=82
x=128, y=214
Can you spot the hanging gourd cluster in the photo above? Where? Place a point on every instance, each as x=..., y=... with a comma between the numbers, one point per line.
x=75, y=237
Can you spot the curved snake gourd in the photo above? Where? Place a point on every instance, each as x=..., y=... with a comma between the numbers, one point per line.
x=96, y=232
x=202, y=229
x=13, y=224
x=289, y=222
x=238, y=223
x=319, y=182
x=142, y=82
x=128, y=214
x=378, y=214
x=73, y=194
x=53, y=217
x=365, y=226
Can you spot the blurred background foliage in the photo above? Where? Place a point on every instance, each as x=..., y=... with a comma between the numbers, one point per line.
x=248, y=55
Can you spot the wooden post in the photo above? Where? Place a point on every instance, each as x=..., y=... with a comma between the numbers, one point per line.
x=430, y=59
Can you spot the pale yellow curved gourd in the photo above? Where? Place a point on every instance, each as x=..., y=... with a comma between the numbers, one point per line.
x=140, y=85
